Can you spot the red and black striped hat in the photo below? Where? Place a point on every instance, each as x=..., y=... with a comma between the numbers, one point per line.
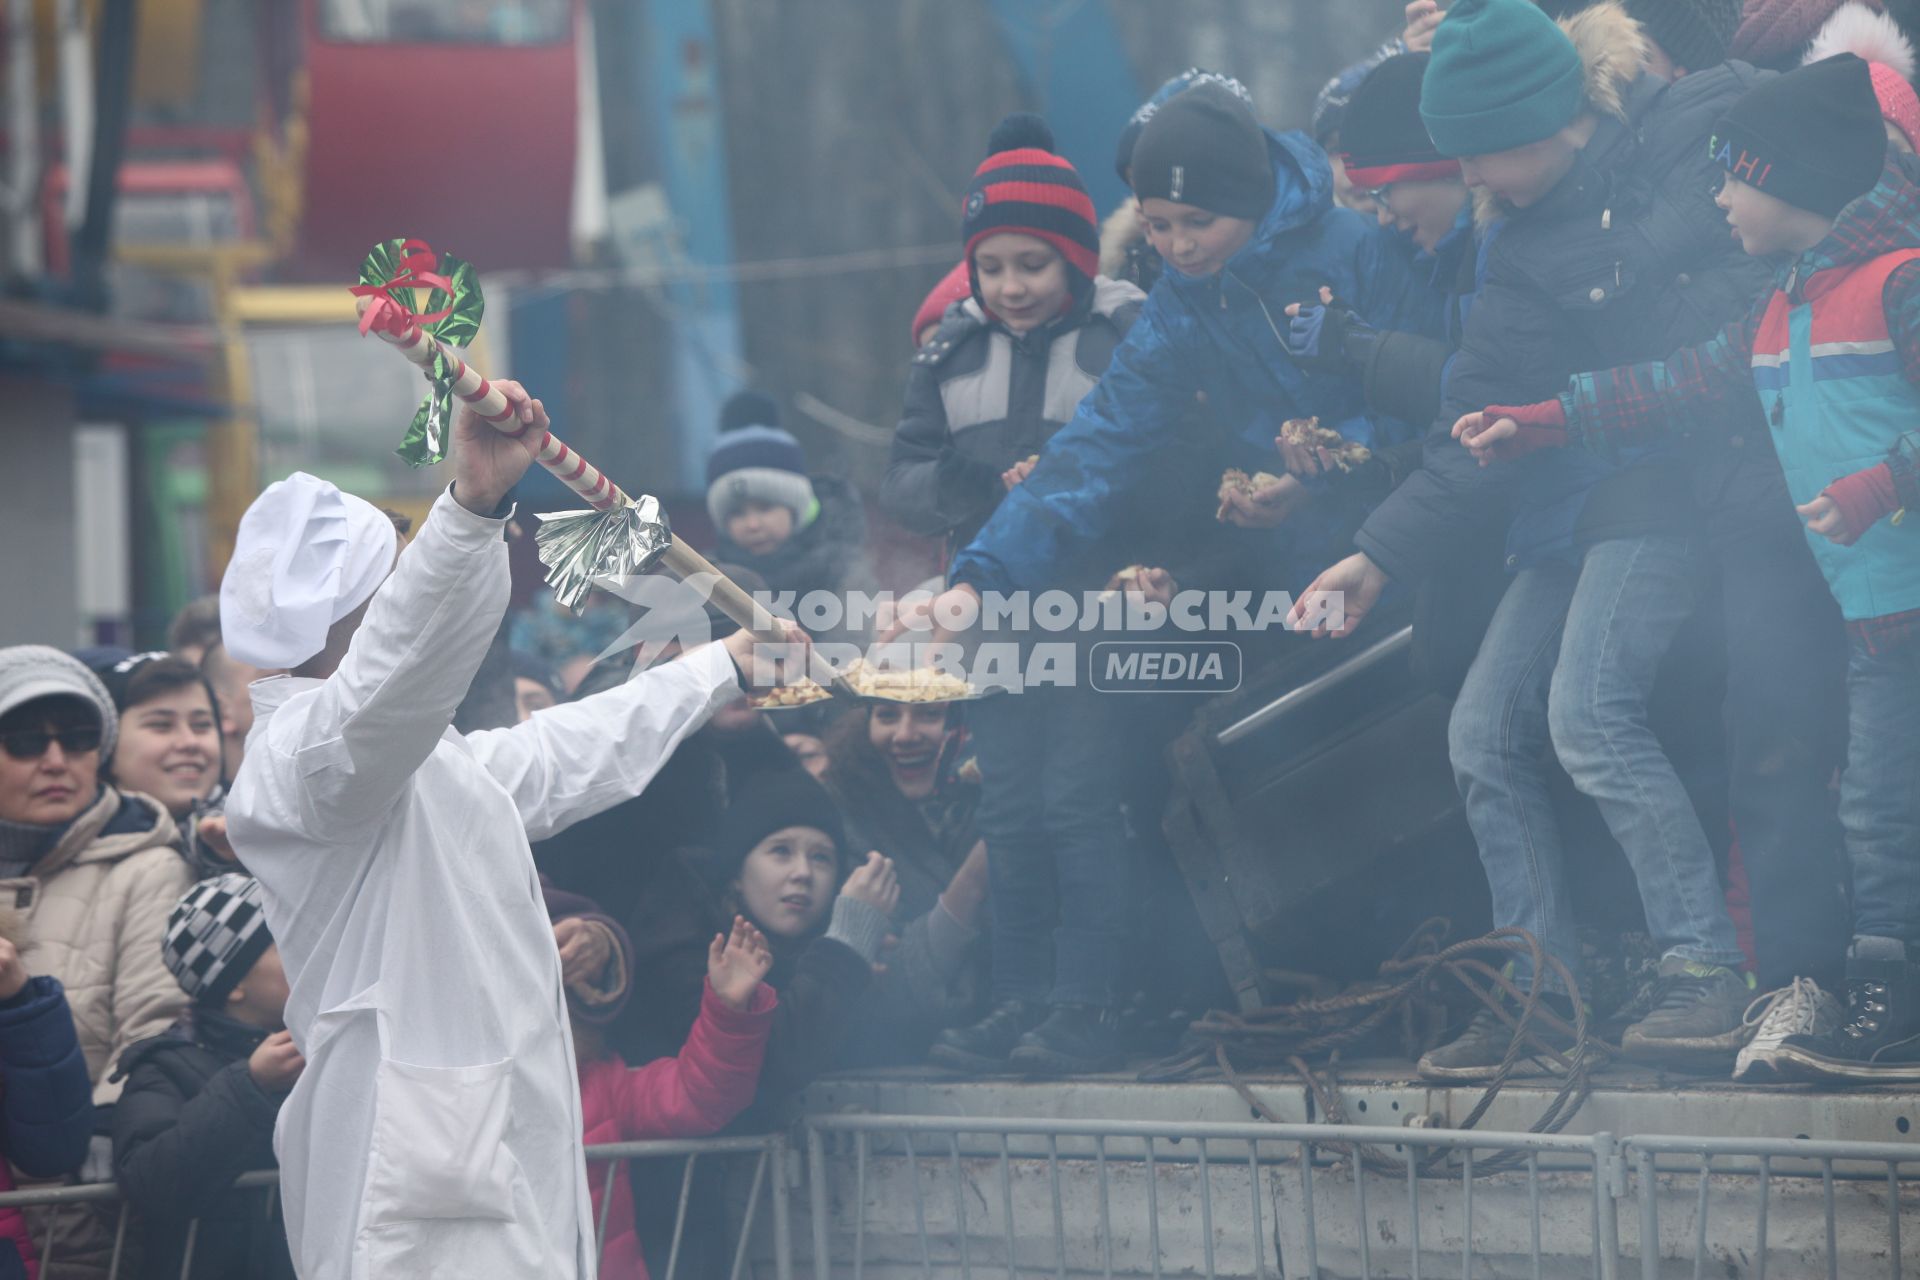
x=1384, y=139
x=1023, y=186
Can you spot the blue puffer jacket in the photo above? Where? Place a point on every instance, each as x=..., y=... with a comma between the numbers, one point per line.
x=1221, y=336
x=46, y=1099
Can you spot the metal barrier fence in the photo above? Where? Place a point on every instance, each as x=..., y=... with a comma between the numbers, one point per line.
x=908, y=1195
x=1777, y=1170
x=770, y=1164
x=1284, y=1189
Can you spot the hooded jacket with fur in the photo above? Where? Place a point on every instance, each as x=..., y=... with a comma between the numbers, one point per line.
x=1625, y=259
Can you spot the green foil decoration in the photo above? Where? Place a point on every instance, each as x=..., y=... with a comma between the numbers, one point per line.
x=453, y=312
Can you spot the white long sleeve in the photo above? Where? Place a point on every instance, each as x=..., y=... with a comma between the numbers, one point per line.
x=569, y=762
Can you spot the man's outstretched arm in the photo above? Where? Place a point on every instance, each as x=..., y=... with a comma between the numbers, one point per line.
x=569, y=762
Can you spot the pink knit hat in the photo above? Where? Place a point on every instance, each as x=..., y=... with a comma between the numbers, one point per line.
x=953, y=286
x=1774, y=32
x=1898, y=102
x=1877, y=38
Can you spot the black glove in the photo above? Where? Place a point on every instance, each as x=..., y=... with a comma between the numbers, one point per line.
x=1330, y=338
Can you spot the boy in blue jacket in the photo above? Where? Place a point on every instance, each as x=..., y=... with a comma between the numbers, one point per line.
x=1830, y=359
x=1246, y=222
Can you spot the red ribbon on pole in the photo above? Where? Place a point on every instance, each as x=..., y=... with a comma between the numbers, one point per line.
x=393, y=314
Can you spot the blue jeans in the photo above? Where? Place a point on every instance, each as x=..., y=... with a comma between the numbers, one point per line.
x=1566, y=669
x=1880, y=791
x=1059, y=866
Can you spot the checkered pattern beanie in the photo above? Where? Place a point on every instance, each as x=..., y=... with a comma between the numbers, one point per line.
x=214, y=934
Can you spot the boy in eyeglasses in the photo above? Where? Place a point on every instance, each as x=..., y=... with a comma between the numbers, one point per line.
x=87, y=876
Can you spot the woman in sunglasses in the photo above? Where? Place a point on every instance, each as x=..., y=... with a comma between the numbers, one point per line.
x=89, y=875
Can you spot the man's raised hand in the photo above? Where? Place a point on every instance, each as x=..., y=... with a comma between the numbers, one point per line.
x=487, y=462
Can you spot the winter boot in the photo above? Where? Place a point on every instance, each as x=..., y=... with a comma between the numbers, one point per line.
x=1801, y=1009
x=985, y=1046
x=1075, y=1040
x=1699, y=1014
x=1477, y=1052
x=1879, y=1040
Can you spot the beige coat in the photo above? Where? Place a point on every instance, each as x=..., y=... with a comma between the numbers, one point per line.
x=92, y=913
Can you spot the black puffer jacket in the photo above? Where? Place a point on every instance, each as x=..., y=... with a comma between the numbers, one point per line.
x=980, y=399
x=1626, y=259
x=190, y=1121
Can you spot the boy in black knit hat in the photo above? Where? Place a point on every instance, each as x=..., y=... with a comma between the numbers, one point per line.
x=1830, y=359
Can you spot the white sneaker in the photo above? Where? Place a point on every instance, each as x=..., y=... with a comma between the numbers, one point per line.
x=1801, y=1009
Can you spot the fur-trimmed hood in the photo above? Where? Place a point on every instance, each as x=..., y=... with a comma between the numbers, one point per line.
x=1613, y=53
x=1123, y=228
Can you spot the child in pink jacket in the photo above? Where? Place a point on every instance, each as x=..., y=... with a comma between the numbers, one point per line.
x=692, y=1095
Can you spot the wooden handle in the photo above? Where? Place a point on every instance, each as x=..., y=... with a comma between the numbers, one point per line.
x=684, y=562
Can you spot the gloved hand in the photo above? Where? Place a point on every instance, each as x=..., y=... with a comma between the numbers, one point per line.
x=1322, y=337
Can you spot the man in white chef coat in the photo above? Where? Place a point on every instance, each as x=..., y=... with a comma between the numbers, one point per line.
x=436, y=1129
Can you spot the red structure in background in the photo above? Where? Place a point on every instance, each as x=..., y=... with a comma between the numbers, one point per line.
x=453, y=122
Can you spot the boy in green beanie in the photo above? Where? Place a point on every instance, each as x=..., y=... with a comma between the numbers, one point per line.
x=1599, y=166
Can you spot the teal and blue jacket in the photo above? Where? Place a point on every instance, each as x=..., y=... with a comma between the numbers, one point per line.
x=1831, y=355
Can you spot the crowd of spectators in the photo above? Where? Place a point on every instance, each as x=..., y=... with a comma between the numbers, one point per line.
x=1502, y=198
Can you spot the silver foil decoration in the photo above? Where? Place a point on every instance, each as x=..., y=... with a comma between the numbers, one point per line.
x=580, y=546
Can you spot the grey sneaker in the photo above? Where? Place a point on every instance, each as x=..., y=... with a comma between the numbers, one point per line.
x=1476, y=1053
x=1801, y=1009
x=1699, y=1011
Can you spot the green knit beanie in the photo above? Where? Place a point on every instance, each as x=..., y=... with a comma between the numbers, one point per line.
x=1502, y=75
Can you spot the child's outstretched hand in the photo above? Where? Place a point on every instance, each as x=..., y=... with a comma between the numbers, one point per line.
x=1266, y=504
x=1851, y=505
x=1502, y=431
x=1483, y=436
x=1016, y=475
x=737, y=963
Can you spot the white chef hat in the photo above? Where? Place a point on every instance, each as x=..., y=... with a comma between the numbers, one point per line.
x=307, y=555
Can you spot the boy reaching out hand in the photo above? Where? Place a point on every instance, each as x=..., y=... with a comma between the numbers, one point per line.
x=1832, y=356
